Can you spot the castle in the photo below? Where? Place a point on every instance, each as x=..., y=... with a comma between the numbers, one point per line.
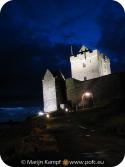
x=90, y=83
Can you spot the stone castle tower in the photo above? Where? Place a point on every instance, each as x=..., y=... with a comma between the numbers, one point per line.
x=86, y=65
x=54, y=90
x=89, y=64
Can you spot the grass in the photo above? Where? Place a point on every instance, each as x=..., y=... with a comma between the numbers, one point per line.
x=60, y=135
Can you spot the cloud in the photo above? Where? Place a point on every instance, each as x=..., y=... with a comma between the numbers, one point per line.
x=17, y=113
x=35, y=35
x=112, y=25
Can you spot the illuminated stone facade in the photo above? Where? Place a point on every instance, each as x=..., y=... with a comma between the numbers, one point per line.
x=89, y=64
x=85, y=66
x=54, y=91
x=103, y=89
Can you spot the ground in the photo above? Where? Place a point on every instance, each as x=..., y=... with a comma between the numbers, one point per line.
x=92, y=134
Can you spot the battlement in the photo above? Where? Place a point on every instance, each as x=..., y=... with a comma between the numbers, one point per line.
x=84, y=55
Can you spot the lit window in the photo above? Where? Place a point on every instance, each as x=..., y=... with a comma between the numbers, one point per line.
x=84, y=65
x=85, y=78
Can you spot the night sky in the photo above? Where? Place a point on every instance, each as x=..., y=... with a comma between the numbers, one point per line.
x=37, y=34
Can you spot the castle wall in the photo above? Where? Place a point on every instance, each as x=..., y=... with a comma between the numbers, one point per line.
x=60, y=91
x=49, y=93
x=88, y=65
x=54, y=91
x=103, y=89
x=84, y=67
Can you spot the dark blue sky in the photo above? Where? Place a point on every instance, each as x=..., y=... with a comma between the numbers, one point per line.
x=36, y=34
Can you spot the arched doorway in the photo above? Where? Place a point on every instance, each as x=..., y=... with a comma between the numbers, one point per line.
x=87, y=99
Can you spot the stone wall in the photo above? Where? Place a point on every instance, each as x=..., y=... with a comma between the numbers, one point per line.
x=88, y=65
x=103, y=89
x=54, y=91
x=60, y=91
x=49, y=92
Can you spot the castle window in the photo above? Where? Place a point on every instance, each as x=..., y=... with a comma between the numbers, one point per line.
x=84, y=65
x=85, y=56
x=85, y=78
